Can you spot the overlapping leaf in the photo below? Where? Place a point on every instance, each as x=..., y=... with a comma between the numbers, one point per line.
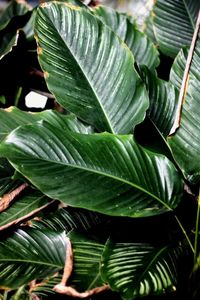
x=30, y=254
x=14, y=9
x=174, y=24
x=144, y=51
x=13, y=117
x=108, y=173
x=185, y=143
x=87, y=257
x=91, y=72
x=26, y=206
x=68, y=219
x=137, y=270
x=6, y=182
x=163, y=102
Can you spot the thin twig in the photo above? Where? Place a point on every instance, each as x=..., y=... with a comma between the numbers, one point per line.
x=63, y=289
x=8, y=198
x=184, y=84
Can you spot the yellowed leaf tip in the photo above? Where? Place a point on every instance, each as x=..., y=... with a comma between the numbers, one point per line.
x=46, y=74
x=74, y=7
x=25, y=3
x=45, y=4
x=9, y=109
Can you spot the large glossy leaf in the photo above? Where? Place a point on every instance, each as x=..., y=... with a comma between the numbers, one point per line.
x=137, y=270
x=174, y=24
x=185, y=143
x=13, y=117
x=30, y=254
x=108, y=173
x=144, y=51
x=14, y=9
x=26, y=206
x=163, y=99
x=89, y=69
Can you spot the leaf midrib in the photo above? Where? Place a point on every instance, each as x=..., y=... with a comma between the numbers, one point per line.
x=103, y=174
x=6, y=260
x=189, y=15
x=87, y=79
x=149, y=265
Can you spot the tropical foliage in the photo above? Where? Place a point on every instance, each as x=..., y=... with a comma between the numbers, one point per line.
x=100, y=190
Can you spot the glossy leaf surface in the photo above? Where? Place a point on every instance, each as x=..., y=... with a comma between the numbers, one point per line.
x=91, y=72
x=87, y=257
x=30, y=254
x=144, y=51
x=163, y=102
x=185, y=143
x=174, y=24
x=23, y=208
x=13, y=117
x=107, y=173
x=137, y=270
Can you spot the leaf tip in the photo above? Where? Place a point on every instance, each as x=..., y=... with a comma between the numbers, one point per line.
x=74, y=7
x=44, y=4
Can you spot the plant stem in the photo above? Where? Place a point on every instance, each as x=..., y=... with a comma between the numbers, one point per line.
x=184, y=232
x=197, y=230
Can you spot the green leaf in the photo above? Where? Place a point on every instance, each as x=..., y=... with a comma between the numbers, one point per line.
x=163, y=102
x=8, y=41
x=185, y=143
x=87, y=256
x=13, y=117
x=24, y=207
x=137, y=270
x=68, y=219
x=144, y=51
x=89, y=69
x=107, y=173
x=14, y=9
x=6, y=182
x=30, y=254
x=174, y=24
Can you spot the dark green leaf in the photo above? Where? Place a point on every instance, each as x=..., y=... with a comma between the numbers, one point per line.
x=87, y=257
x=68, y=219
x=23, y=208
x=6, y=182
x=8, y=41
x=174, y=24
x=30, y=254
x=14, y=9
x=108, y=173
x=144, y=51
x=89, y=69
x=137, y=270
x=163, y=102
x=185, y=143
x=13, y=117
